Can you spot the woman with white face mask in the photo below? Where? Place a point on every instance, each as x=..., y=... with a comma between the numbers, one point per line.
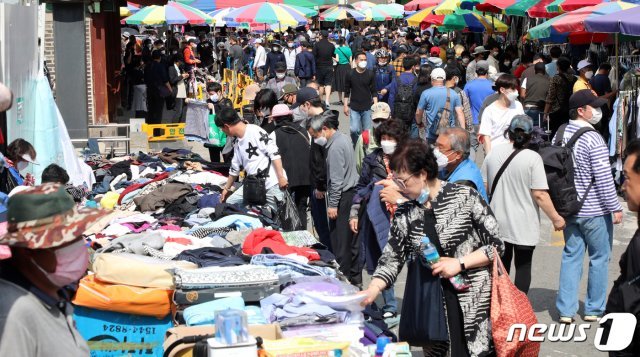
x=20, y=153
x=497, y=116
x=375, y=167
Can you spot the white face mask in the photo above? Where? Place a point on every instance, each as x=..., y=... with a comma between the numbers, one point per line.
x=495, y=54
x=362, y=64
x=71, y=264
x=588, y=74
x=321, y=140
x=596, y=116
x=512, y=96
x=388, y=146
x=290, y=45
x=441, y=159
x=465, y=60
x=507, y=63
x=275, y=49
x=376, y=124
x=382, y=63
x=280, y=75
x=21, y=165
x=214, y=98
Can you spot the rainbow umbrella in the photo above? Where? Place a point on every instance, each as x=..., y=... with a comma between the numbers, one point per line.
x=362, y=5
x=395, y=10
x=469, y=4
x=426, y=17
x=415, y=5
x=573, y=22
x=531, y=8
x=312, y=4
x=570, y=5
x=342, y=12
x=202, y=5
x=447, y=7
x=218, y=15
x=383, y=12
x=267, y=13
x=172, y=13
x=473, y=22
x=129, y=10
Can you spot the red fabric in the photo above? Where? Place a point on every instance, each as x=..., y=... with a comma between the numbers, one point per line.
x=189, y=58
x=519, y=70
x=365, y=137
x=264, y=238
x=131, y=188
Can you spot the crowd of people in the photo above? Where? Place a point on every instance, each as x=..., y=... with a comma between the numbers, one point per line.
x=434, y=124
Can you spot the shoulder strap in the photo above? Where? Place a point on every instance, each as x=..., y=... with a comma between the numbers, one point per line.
x=576, y=136
x=501, y=171
x=294, y=129
x=560, y=135
x=447, y=106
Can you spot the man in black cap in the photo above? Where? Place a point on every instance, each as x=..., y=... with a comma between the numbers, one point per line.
x=323, y=52
x=591, y=228
x=273, y=58
x=280, y=79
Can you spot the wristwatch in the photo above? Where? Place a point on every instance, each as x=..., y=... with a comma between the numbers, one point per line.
x=462, y=266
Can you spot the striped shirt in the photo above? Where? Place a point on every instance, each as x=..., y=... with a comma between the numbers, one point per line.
x=591, y=160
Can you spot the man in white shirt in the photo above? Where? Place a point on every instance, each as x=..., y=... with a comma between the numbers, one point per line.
x=496, y=117
x=260, y=58
x=256, y=154
x=290, y=53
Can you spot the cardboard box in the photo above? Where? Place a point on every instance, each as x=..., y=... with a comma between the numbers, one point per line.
x=111, y=334
x=267, y=332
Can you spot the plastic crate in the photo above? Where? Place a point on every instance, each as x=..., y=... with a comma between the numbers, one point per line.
x=164, y=132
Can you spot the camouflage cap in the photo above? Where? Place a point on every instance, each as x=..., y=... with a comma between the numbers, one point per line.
x=44, y=217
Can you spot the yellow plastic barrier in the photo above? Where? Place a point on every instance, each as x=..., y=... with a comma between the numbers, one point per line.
x=164, y=132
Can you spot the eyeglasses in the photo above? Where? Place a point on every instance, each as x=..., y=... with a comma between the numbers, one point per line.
x=402, y=183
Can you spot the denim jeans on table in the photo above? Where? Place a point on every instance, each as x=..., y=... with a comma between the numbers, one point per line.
x=358, y=122
x=594, y=234
x=274, y=195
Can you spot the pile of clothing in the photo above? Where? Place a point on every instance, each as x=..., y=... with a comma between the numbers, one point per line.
x=171, y=248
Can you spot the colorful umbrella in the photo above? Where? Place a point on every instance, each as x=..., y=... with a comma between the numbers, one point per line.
x=267, y=13
x=395, y=10
x=171, y=14
x=218, y=15
x=129, y=10
x=425, y=16
x=573, y=22
x=342, y=12
x=447, y=7
x=202, y=5
x=376, y=14
x=531, y=8
x=494, y=6
x=625, y=22
x=473, y=22
x=469, y=4
x=362, y=5
x=570, y=5
x=415, y=5
x=312, y=4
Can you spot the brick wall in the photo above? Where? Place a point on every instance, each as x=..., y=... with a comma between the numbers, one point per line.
x=49, y=50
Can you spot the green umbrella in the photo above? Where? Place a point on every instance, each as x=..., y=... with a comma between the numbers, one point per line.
x=311, y=4
x=520, y=8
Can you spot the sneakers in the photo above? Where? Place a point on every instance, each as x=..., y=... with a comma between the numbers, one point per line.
x=391, y=319
x=565, y=320
x=591, y=318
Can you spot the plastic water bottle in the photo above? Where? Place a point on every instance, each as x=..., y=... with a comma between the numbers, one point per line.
x=429, y=250
x=381, y=344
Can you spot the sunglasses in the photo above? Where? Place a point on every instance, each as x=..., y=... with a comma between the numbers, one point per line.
x=402, y=183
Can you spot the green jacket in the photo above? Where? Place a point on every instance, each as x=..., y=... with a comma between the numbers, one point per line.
x=363, y=150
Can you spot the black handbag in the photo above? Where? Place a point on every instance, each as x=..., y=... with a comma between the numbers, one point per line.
x=254, y=190
x=423, y=318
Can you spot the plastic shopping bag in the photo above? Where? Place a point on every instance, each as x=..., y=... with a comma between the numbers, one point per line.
x=216, y=136
x=288, y=214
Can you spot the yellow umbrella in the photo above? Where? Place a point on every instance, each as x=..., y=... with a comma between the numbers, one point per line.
x=447, y=7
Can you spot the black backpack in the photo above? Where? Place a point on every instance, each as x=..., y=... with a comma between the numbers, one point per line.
x=403, y=104
x=559, y=167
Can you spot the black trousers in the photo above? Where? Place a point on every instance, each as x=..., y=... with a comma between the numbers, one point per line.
x=155, y=105
x=556, y=119
x=523, y=255
x=345, y=244
x=300, y=196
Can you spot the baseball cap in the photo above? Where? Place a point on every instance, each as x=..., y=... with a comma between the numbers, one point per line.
x=287, y=89
x=585, y=97
x=402, y=49
x=304, y=95
x=281, y=67
x=482, y=64
x=258, y=40
x=280, y=110
x=380, y=110
x=584, y=63
x=438, y=74
x=250, y=92
x=126, y=34
x=522, y=122
x=478, y=50
x=435, y=51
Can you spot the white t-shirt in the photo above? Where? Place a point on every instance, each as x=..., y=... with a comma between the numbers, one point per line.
x=495, y=120
x=512, y=202
x=261, y=57
x=252, y=153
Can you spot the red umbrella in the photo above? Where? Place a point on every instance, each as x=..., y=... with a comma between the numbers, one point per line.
x=416, y=5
